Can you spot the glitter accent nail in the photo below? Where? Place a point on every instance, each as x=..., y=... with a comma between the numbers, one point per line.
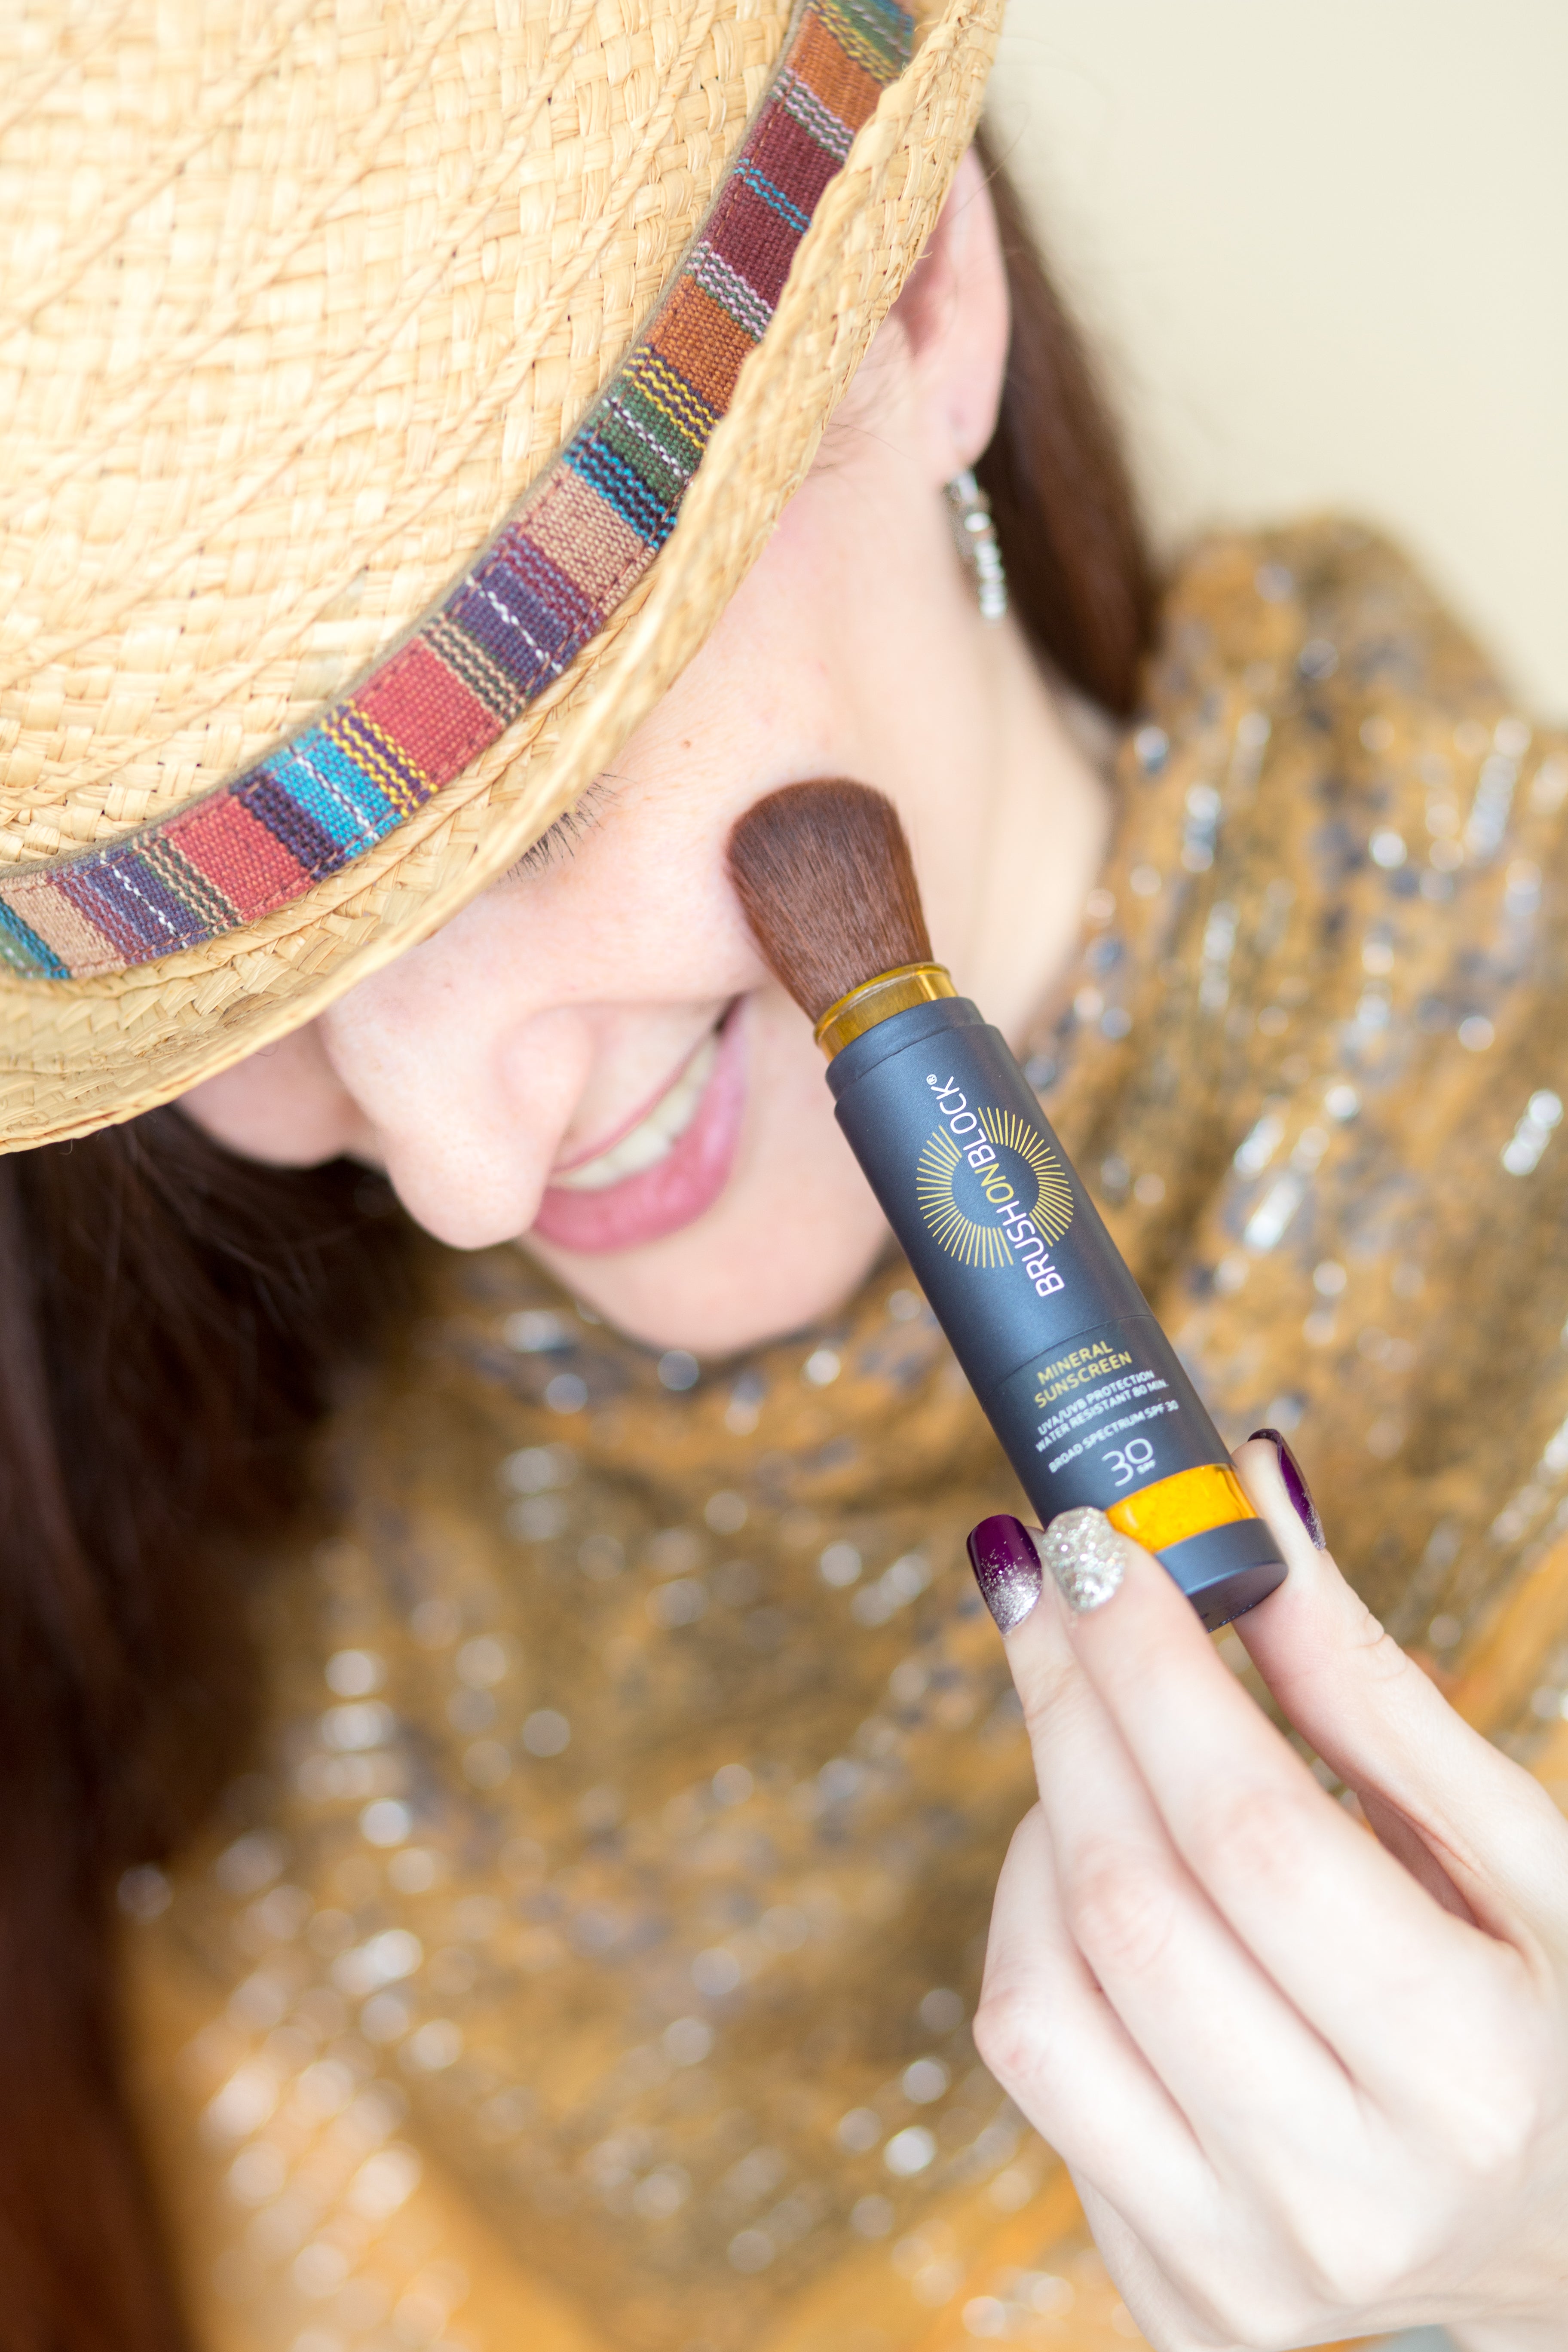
x=1296, y=1487
x=1007, y=1568
x=1085, y=1556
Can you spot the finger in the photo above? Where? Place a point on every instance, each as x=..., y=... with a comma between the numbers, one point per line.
x=1159, y=2214
x=1369, y=1959
x=1047, y=2032
x=1386, y=1729
x=1256, y=2083
x=1165, y=2320
x=1240, y=2287
x=1410, y=1849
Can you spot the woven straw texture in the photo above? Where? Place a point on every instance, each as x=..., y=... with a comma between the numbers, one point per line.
x=302, y=297
x=584, y=533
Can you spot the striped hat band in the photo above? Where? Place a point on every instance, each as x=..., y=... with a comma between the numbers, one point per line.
x=567, y=558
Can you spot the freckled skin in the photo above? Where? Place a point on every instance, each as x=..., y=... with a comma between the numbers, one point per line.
x=535, y=1021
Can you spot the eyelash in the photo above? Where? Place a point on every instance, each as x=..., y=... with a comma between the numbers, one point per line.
x=563, y=835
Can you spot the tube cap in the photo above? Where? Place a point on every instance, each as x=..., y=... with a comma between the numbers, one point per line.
x=1227, y=1570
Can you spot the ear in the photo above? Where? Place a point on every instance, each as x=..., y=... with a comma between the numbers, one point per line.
x=956, y=318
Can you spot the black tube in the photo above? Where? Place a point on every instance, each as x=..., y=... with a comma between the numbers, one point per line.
x=1076, y=1376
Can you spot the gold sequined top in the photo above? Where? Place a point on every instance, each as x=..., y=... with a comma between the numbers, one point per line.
x=587, y=1961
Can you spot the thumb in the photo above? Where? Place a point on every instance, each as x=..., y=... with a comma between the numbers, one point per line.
x=1477, y=1833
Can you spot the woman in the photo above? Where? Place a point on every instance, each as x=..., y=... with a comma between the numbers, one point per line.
x=526, y=1699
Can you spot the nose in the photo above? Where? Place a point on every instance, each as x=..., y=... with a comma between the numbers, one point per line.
x=465, y=1093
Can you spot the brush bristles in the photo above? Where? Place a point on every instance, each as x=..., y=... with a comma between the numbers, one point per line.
x=824, y=878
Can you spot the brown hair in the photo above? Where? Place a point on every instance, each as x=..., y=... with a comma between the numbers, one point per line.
x=1078, y=574
x=172, y=1323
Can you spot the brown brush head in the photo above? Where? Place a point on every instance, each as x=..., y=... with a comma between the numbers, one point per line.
x=824, y=874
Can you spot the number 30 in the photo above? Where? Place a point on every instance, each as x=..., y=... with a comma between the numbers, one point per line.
x=1137, y=1455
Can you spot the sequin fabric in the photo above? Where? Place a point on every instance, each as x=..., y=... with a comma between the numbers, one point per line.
x=588, y=1959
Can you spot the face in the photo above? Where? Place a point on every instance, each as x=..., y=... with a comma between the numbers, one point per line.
x=591, y=1057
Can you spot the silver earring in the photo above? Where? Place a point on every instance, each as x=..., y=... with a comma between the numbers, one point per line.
x=979, y=548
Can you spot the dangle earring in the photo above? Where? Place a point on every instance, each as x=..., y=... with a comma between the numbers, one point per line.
x=979, y=548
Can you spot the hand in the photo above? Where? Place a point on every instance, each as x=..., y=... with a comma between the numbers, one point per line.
x=1310, y=2085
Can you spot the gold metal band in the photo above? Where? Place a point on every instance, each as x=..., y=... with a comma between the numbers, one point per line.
x=874, y=999
x=1188, y=1503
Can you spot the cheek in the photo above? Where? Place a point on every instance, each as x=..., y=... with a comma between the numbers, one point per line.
x=284, y=1106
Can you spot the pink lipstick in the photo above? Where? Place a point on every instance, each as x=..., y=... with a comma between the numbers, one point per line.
x=593, y=1219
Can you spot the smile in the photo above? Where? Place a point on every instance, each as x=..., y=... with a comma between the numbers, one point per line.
x=653, y=1136
x=662, y=1171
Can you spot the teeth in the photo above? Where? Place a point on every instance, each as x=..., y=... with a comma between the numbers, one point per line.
x=653, y=1137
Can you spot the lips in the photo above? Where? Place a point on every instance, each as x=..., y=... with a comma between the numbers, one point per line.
x=674, y=1177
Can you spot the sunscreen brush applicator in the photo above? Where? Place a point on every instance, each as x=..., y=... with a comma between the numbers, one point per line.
x=1076, y=1376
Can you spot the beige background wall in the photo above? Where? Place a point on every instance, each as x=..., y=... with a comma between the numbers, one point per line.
x=1324, y=245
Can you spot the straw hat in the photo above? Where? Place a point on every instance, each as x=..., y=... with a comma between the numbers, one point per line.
x=393, y=394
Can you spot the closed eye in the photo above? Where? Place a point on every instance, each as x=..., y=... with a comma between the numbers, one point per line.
x=560, y=839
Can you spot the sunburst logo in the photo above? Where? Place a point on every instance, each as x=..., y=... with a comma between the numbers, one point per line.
x=974, y=1245
x=970, y=1210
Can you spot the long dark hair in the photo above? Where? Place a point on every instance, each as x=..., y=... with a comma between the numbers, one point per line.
x=172, y=1323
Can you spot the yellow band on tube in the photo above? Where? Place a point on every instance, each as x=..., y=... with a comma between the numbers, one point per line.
x=877, y=999
x=1188, y=1503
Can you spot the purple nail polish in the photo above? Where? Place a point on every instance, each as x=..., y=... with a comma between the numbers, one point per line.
x=1296, y=1487
x=1007, y=1568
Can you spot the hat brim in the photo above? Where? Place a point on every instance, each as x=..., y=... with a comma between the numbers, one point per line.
x=85, y=1054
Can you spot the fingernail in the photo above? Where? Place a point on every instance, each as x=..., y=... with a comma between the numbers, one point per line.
x=1085, y=1556
x=1296, y=1487
x=1007, y=1568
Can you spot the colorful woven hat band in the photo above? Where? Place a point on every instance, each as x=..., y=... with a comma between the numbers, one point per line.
x=584, y=534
